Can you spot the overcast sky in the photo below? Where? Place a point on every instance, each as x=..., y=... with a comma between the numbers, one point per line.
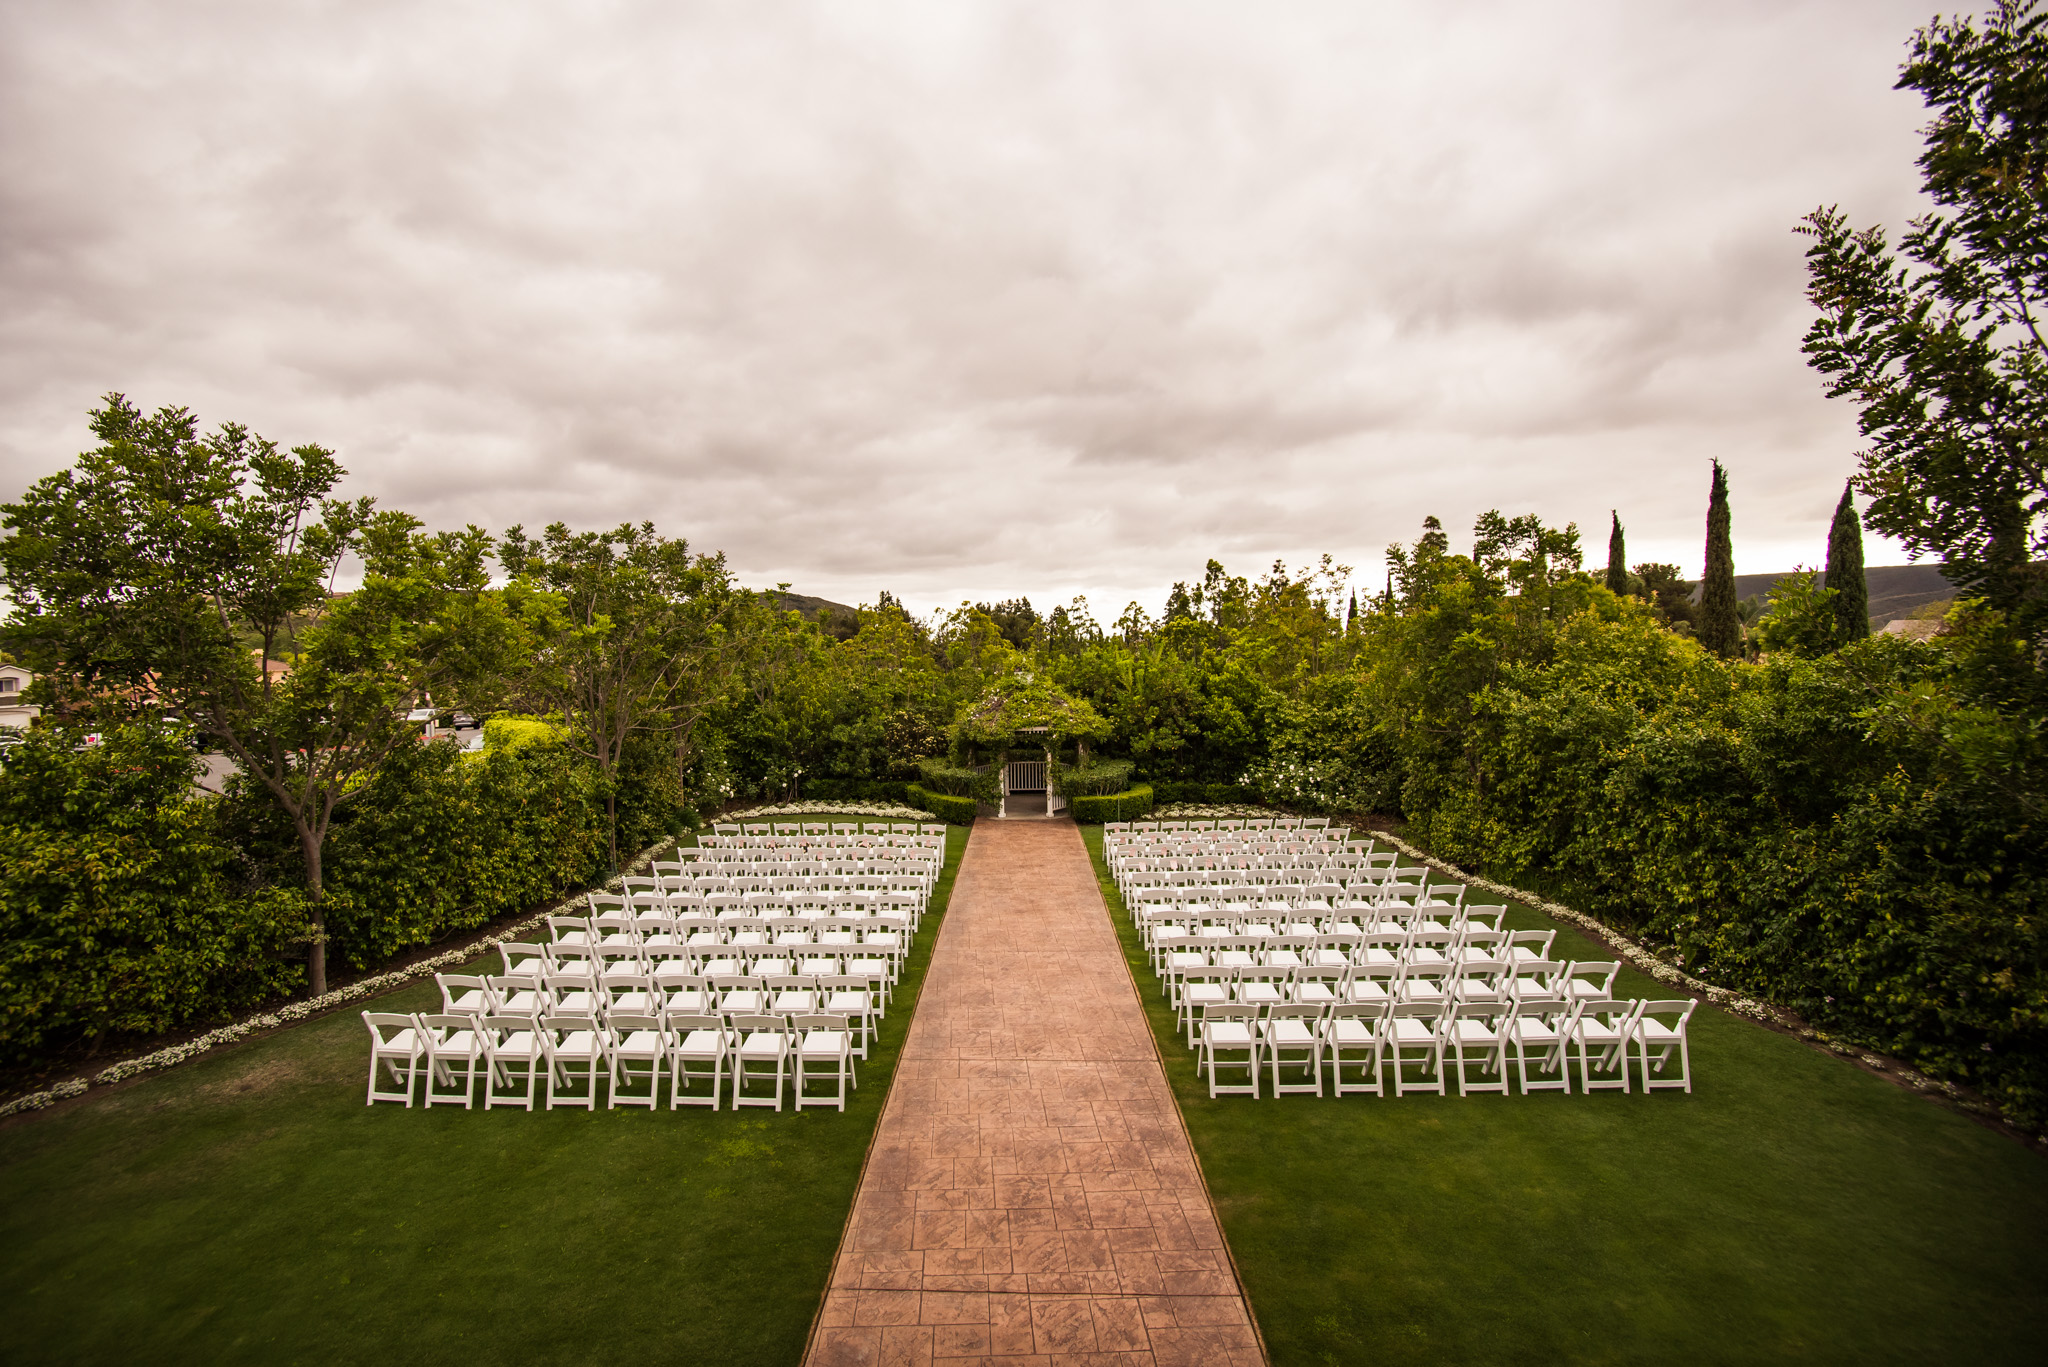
x=963, y=300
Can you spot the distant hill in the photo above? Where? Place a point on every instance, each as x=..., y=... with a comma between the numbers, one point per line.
x=810, y=607
x=1895, y=590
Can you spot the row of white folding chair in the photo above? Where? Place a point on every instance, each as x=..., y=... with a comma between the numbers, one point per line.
x=1224, y=823
x=1441, y=1037
x=861, y=992
x=829, y=985
x=615, y=930
x=1482, y=952
x=1444, y=936
x=1198, y=987
x=673, y=936
x=512, y=1055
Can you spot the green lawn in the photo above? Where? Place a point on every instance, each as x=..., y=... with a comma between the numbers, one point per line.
x=248, y=1208
x=1792, y=1209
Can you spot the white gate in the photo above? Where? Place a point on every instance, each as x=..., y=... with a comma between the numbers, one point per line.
x=1024, y=776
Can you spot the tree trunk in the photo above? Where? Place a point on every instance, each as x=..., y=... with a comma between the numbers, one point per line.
x=316, y=953
x=611, y=810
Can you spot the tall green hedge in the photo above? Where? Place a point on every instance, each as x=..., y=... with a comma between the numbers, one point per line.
x=130, y=904
x=956, y=811
x=117, y=906
x=1124, y=806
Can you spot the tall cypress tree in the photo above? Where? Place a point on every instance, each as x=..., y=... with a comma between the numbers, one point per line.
x=1719, y=629
x=1845, y=572
x=1617, y=559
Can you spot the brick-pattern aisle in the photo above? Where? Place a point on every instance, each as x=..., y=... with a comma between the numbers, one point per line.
x=1031, y=1195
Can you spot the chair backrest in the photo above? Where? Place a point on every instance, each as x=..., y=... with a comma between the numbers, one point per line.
x=760, y=1024
x=1539, y=939
x=1294, y=1011
x=451, y=983
x=561, y=926
x=627, y=1023
x=1231, y=1011
x=1602, y=970
x=1682, y=1010
x=1372, y=1011
x=380, y=1021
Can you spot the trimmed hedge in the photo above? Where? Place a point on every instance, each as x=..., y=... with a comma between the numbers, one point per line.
x=955, y=811
x=1170, y=791
x=131, y=904
x=1114, y=806
x=856, y=790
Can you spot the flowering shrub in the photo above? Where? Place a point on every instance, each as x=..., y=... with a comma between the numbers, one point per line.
x=880, y=810
x=1312, y=785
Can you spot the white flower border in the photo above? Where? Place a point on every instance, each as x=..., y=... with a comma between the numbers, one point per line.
x=312, y=1006
x=891, y=810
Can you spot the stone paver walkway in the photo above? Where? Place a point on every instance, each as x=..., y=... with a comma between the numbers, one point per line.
x=1031, y=1196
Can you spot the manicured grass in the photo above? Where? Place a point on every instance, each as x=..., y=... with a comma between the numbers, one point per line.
x=248, y=1208
x=1792, y=1209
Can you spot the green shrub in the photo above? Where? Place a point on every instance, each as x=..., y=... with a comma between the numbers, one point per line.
x=516, y=733
x=856, y=790
x=116, y=915
x=956, y=811
x=1169, y=792
x=1125, y=806
x=1093, y=779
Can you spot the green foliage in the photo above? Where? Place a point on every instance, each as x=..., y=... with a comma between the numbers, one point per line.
x=1720, y=627
x=1617, y=558
x=1845, y=571
x=1942, y=351
x=1125, y=806
x=958, y=780
x=434, y=845
x=1803, y=617
x=1092, y=779
x=115, y=910
x=516, y=733
x=956, y=811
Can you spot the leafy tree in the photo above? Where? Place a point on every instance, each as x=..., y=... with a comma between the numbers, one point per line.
x=1804, y=618
x=632, y=634
x=1720, y=628
x=1943, y=350
x=144, y=575
x=1617, y=559
x=1845, y=571
x=1670, y=592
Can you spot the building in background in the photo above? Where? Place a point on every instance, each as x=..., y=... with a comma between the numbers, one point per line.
x=14, y=713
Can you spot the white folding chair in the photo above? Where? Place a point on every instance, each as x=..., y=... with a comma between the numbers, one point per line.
x=762, y=1056
x=1230, y=1029
x=398, y=1043
x=576, y=1048
x=697, y=1039
x=513, y=1047
x=1477, y=1033
x=462, y=994
x=1661, y=1026
x=635, y=1039
x=824, y=1053
x=453, y=1038
x=1604, y=1028
x=1291, y=1038
x=1415, y=1031
x=1354, y=1033
x=1542, y=1024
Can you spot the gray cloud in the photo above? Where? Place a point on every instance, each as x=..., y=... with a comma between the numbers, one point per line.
x=961, y=300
